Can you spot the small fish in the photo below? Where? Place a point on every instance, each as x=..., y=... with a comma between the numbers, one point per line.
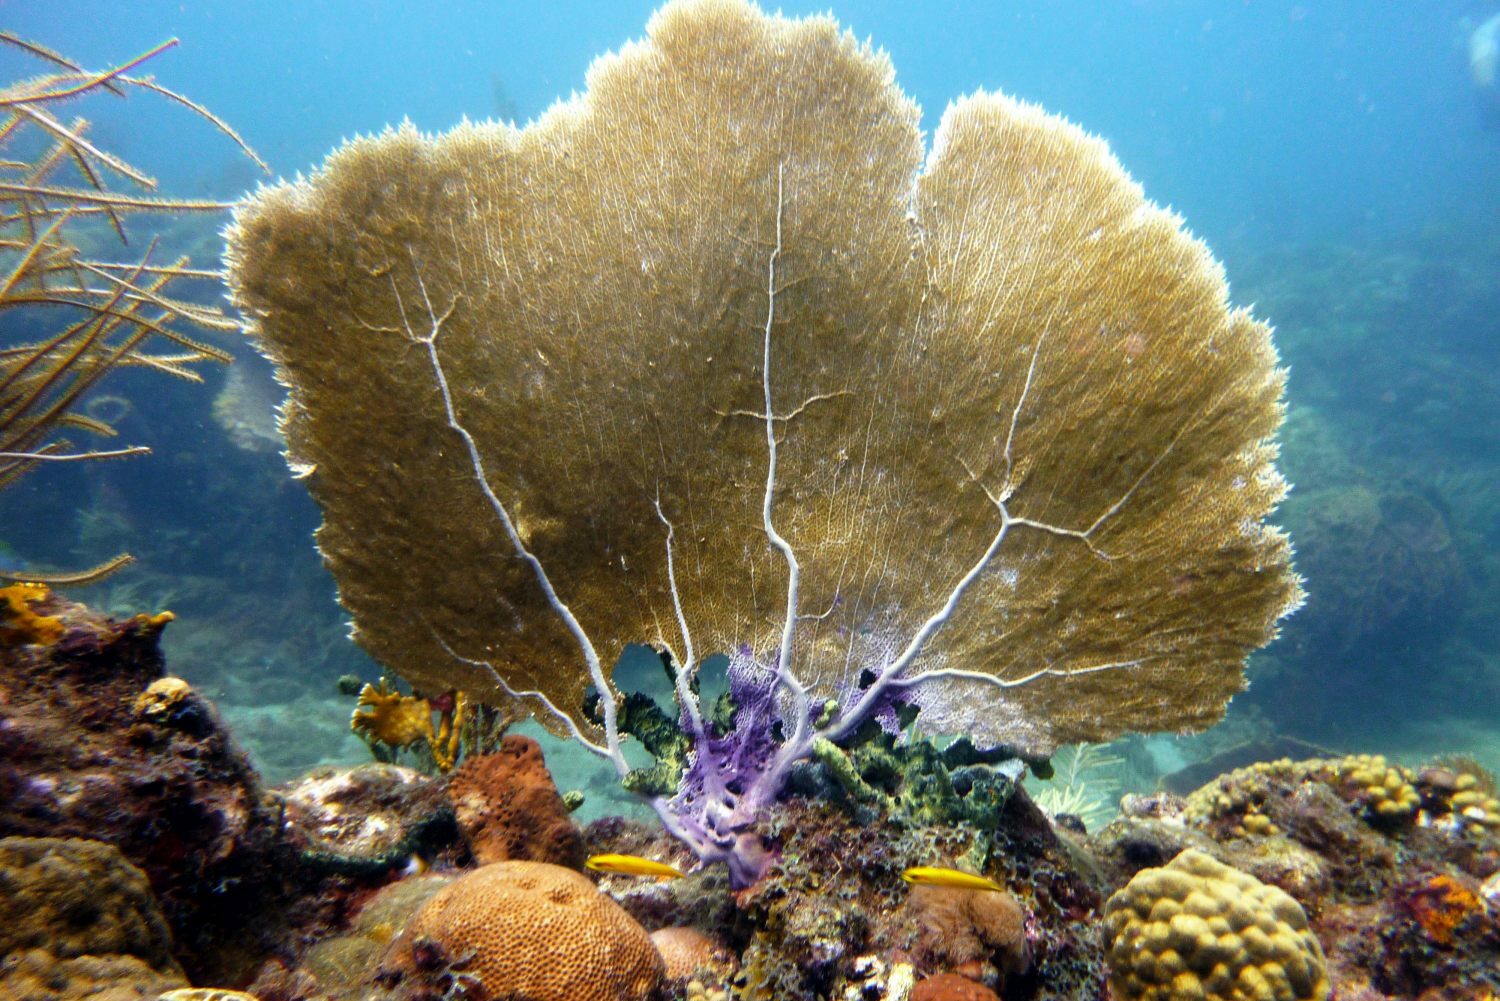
x=932, y=875
x=632, y=865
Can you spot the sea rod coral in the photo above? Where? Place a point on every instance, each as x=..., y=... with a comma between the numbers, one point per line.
x=71, y=320
x=715, y=356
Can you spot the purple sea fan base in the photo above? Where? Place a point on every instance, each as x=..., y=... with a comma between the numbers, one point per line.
x=889, y=709
x=731, y=778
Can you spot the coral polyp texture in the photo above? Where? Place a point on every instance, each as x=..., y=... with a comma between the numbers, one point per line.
x=1197, y=930
x=528, y=931
x=716, y=356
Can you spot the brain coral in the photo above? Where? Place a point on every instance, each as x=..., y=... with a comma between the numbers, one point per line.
x=529, y=931
x=1197, y=930
x=508, y=807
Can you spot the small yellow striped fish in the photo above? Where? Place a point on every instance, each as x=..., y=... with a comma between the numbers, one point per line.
x=932, y=875
x=632, y=865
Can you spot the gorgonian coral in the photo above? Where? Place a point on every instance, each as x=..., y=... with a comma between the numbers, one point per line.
x=716, y=356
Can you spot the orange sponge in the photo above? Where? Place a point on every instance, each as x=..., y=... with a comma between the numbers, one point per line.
x=508, y=807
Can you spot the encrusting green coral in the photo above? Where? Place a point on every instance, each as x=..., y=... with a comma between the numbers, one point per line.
x=917, y=784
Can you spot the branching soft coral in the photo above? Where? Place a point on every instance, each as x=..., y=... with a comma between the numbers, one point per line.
x=384, y=718
x=116, y=314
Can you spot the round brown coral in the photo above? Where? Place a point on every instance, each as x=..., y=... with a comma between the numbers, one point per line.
x=956, y=927
x=532, y=931
x=688, y=952
x=1195, y=928
x=508, y=807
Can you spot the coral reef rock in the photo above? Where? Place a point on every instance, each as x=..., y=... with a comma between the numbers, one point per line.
x=525, y=931
x=368, y=819
x=343, y=966
x=1196, y=928
x=508, y=807
x=689, y=954
x=90, y=749
x=832, y=918
x=80, y=921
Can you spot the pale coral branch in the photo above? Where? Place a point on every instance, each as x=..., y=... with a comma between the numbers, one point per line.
x=1010, y=436
x=894, y=673
x=428, y=341
x=520, y=695
x=1041, y=672
x=75, y=456
x=784, y=675
x=685, y=669
x=86, y=81
x=74, y=139
x=818, y=397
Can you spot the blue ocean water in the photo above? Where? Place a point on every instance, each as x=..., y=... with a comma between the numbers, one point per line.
x=1338, y=157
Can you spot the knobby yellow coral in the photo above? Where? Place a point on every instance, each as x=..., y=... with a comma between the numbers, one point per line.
x=1197, y=929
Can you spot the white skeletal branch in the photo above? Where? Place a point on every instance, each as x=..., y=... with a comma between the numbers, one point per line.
x=75, y=456
x=687, y=665
x=609, y=708
x=520, y=695
x=784, y=675
x=894, y=673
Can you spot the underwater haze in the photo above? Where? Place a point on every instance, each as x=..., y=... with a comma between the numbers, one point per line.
x=1340, y=159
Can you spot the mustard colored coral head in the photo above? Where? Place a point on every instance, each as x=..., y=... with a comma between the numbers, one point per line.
x=20, y=623
x=162, y=697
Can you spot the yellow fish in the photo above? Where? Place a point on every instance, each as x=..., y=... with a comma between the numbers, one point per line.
x=932, y=875
x=632, y=865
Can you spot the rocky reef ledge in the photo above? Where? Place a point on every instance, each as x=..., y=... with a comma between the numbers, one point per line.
x=146, y=857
